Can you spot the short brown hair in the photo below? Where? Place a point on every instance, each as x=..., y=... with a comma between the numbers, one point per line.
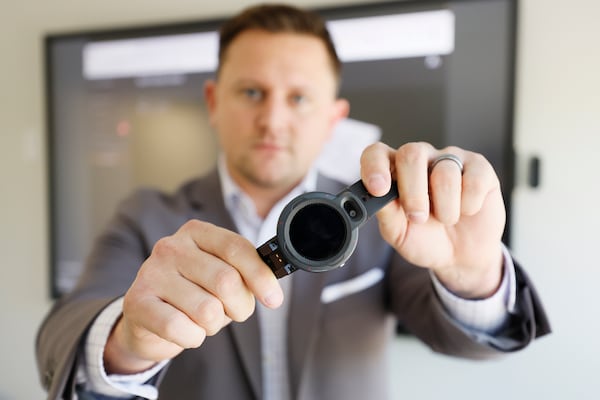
x=278, y=18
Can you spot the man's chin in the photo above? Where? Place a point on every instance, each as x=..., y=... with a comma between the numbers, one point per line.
x=271, y=172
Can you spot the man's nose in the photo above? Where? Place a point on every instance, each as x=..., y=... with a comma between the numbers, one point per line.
x=274, y=114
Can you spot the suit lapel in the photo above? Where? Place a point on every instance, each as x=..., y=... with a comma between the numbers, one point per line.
x=247, y=341
x=303, y=321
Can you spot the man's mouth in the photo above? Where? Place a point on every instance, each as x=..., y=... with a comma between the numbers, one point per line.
x=265, y=146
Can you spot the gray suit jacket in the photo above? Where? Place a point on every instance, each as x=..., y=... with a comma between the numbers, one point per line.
x=337, y=344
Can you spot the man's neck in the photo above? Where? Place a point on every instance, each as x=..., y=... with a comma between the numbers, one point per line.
x=265, y=198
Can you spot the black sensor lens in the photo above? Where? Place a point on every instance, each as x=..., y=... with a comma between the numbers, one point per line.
x=317, y=232
x=353, y=210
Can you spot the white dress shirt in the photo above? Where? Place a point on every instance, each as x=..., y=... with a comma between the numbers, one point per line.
x=482, y=315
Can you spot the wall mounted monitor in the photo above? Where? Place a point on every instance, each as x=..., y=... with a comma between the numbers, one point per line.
x=125, y=105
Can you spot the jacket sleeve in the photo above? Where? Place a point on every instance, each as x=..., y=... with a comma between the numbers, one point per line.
x=59, y=341
x=109, y=271
x=414, y=301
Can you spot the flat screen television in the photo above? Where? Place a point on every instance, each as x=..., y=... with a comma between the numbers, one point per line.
x=125, y=105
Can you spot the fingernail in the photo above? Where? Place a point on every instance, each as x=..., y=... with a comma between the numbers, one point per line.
x=274, y=299
x=377, y=183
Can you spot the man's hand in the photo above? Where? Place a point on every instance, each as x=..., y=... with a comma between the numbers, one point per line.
x=194, y=283
x=445, y=219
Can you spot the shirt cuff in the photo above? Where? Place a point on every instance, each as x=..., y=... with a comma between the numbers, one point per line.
x=487, y=314
x=97, y=380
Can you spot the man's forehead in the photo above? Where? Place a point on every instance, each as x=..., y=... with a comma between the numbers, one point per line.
x=285, y=54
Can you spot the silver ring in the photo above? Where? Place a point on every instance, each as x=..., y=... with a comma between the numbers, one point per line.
x=447, y=156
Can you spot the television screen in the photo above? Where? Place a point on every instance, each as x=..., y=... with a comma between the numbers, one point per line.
x=125, y=106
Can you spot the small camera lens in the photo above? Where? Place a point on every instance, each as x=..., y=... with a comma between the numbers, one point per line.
x=352, y=209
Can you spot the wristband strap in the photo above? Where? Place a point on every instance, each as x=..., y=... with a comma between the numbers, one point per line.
x=370, y=202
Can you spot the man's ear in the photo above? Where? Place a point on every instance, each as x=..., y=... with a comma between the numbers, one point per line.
x=210, y=97
x=340, y=110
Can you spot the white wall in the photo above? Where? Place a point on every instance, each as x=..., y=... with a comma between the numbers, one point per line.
x=555, y=228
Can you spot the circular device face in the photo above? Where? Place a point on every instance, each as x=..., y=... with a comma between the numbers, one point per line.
x=318, y=232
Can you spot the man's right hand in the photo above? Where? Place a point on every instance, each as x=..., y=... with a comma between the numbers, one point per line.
x=194, y=283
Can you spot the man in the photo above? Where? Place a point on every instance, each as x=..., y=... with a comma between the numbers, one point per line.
x=169, y=294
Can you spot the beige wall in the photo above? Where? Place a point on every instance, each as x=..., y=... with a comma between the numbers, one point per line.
x=558, y=118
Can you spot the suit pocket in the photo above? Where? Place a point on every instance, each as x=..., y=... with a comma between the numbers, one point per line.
x=357, y=284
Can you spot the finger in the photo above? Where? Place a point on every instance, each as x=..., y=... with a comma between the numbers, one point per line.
x=375, y=167
x=223, y=282
x=445, y=190
x=238, y=252
x=206, y=271
x=412, y=161
x=166, y=322
x=201, y=306
x=392, y=224
x=172, y=287
x=478, y=180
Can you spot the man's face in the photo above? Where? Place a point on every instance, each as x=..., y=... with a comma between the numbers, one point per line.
x=274, y=106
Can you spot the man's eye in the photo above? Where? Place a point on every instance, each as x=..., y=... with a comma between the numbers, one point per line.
x=253, y=94
x=298, y=99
